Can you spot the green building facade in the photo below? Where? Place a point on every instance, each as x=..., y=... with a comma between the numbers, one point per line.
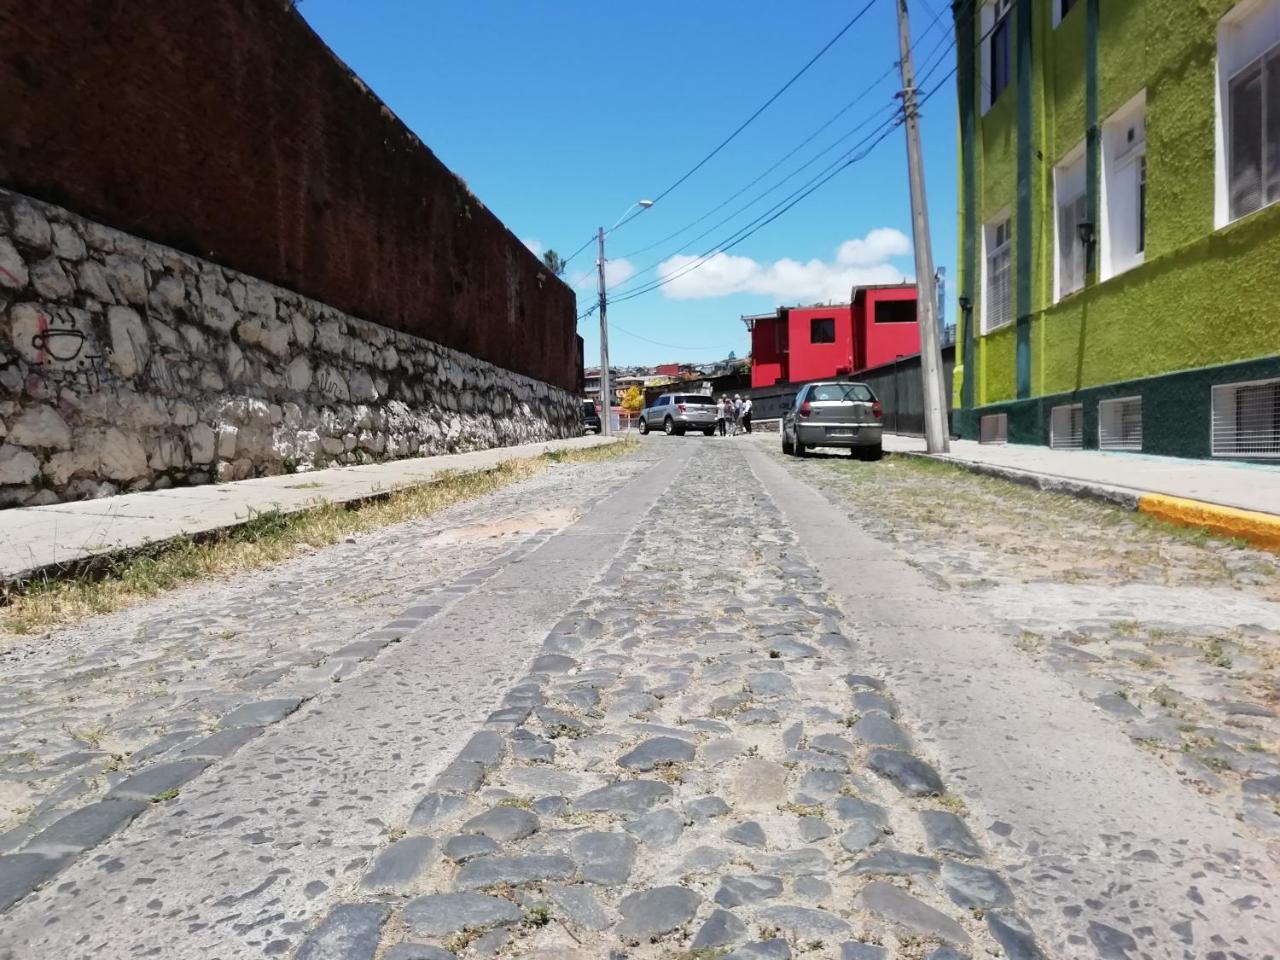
x=1120, y=224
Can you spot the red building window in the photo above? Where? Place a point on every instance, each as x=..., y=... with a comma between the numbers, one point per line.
x=896, y=311
x=822, y=330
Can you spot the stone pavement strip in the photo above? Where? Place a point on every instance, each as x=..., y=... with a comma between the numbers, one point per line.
x=695, y=765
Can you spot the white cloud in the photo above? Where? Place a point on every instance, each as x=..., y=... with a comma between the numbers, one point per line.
x=876, y=247
x=537, y=246
x=857, y=263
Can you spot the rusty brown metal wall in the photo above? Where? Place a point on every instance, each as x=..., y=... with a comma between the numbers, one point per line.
x=226, y=128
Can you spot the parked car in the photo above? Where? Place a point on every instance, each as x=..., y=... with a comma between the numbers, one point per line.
x=590, y=417
x=674, y=413
x=834, y=415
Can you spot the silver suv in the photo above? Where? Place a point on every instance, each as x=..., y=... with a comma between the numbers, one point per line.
x=674, y=413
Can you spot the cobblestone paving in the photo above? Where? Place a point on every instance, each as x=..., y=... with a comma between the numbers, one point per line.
x=1176, y=637
x=694, y=767
x=99, y=721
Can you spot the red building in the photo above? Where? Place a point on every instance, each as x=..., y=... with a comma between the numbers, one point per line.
x=799, y=344
x=667, y=370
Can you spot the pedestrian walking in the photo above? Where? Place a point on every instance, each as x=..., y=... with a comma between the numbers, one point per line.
x=722, y=414
x=737, y=414
x=746, y=413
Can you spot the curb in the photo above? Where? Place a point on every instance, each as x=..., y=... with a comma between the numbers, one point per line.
x=1259, y=529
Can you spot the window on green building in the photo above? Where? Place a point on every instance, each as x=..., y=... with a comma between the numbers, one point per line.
x=1254, y=123
x=997, y=281
x=1071, y=201
x=1124, y=189
x=1060, y=10
x=996, y=23
x=1248, y=158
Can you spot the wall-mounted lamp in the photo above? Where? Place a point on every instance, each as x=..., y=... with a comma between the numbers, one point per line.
x=965, y=304
x=1086, y=231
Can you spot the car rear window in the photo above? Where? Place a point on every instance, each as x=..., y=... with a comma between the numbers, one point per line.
x=696, y=398
x=841, y=391
x=589, y=409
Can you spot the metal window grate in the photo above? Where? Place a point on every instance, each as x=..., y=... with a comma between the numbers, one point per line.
x=1120, y=424
x=1246, y=420
x=1066, y=427
x=994, y=428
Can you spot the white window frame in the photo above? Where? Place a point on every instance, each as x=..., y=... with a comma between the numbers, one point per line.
x=1119, y=154
x=1248, y=33
x=991, y=12
x=1111, y=424
x=1070, y=186
x=1057, y=11
x=1066, y=432
x=1005, y=219
x=1225, y=437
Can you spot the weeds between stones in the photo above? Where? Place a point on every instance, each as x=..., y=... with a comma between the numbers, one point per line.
x=265, y=538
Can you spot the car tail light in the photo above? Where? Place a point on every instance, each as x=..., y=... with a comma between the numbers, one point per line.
x=680, y=407
x=877, y=411
x=805, y=409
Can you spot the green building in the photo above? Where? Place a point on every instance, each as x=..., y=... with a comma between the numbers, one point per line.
x=1120, y=231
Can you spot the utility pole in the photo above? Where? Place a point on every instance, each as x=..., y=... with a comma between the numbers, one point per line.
x=935, y=411
x=606, y=398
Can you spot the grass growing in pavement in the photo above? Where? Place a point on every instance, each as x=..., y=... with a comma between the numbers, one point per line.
x=265, y=538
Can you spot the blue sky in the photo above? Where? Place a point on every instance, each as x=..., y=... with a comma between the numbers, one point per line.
x=559, y=114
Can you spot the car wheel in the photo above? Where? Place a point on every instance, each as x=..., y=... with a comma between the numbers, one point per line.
x=786, y=446
x=669, y=427
x=709, y=432
x=872, y=453
x=644, y=427
x=799, y=448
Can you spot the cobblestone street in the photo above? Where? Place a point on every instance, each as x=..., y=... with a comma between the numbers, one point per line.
x=699, y=701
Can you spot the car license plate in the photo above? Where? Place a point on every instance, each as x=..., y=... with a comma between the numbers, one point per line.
x=840, y=432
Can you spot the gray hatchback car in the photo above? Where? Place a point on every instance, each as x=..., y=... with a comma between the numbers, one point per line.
x=834, y=415
x=674, y=413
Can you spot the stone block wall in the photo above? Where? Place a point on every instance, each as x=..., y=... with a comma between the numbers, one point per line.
x=127, y=365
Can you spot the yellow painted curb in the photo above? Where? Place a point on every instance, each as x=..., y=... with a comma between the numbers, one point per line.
x=1262, y=529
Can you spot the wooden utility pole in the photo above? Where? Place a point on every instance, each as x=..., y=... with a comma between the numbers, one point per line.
x=935, y=409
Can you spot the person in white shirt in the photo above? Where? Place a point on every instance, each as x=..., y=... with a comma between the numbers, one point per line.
x=722, y=414
x=746, y=414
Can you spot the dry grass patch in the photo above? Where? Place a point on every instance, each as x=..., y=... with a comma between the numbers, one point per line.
x=266, y=538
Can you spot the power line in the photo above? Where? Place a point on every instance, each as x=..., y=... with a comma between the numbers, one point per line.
x=890, y=108
x=791, y=153
x=659, y=343
x=774, y=212
x=783, y=89
x=794, y=150
x=805, y=192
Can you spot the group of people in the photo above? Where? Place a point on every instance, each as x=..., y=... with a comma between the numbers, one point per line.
x=733, y=416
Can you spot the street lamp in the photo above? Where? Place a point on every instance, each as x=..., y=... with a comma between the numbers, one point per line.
x=606, y=399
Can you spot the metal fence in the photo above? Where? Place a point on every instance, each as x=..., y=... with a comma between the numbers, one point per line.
x=897, y=385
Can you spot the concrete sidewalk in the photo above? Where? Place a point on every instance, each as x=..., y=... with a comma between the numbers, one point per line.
x=1235, y=499
x=38, y=538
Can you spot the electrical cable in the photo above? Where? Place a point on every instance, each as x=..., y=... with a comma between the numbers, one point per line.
x=881, y=112
x=781, y=90
x=875, y=138
x=689, y=268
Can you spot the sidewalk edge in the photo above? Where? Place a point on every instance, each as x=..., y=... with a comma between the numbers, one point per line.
x=1259, y=529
